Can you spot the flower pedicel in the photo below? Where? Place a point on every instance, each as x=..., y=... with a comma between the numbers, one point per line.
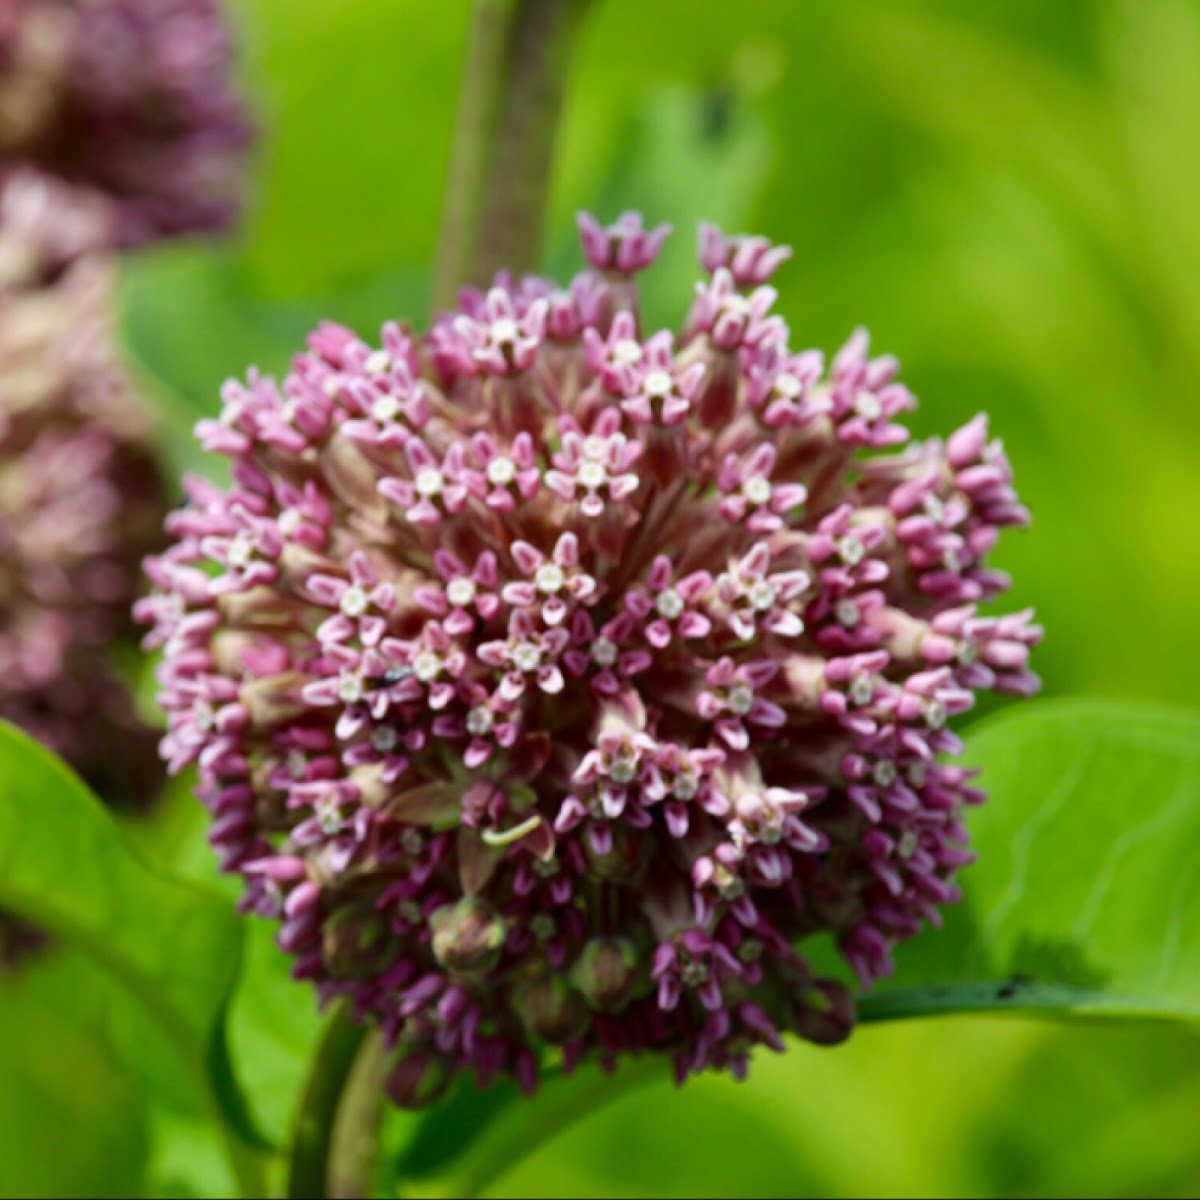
x=553, y=681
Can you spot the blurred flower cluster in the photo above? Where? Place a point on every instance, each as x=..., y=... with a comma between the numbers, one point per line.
x=552, y=680
x=131, y=98
x=80, y=496
x=118, y=126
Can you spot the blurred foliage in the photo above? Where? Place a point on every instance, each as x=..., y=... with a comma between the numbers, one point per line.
x=1004, y=193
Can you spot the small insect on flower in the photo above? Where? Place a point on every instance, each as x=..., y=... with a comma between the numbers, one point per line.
x=602, y=671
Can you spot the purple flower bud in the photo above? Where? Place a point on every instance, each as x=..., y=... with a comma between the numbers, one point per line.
x=419, y=1078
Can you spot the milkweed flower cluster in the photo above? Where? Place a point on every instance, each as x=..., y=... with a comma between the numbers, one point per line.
x=552, y=680
x=133, y=98
x=80, y=496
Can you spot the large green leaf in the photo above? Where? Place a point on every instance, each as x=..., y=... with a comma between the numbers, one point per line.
x=176, y=947
x=61, y=1076
x=1086, y=895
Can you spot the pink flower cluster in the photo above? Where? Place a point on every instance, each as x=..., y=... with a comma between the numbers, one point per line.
x=132, y=98
x=551, y=680
x=80, y=496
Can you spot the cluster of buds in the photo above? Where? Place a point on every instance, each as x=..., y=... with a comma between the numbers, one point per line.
x=131, y=98
x=551, y=681
x=80, y=496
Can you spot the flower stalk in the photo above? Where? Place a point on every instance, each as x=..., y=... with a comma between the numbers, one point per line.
x=513, y=86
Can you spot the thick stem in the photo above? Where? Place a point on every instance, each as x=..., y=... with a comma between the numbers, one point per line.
x=309, y=1170
x=512, y=95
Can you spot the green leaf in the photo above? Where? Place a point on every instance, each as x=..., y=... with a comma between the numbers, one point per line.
x=176, y=947
x=1086, y=895
x=63, y=1078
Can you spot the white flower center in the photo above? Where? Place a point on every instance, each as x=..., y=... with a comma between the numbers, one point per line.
x=427, y=666
x=685, y=786
x=384, y=738
x=329, y=815
x=429, y=482
x=851, y=551
x=241, y=550
x=377, y=362
x=354, y=601
x=916, y=774
x=935, y=715
x=479, y=721
x=604, y=652
x=658, y=383
x=527, y=656
x=595, y=448
x=847, y=613
x=762, y=596
x=788, y=386
x=501, y=471
x=504, y=329
x=906, y=847
x=385, y=409
x=757, y=489
x=550, y=578
x=203, y=715
x=739, y=306
x=861, y=690
x=693, y=974
x=867, y=405
x=541, y=925
x=592, y=475
x=624, y=769
x=669, y=603
x=350, y=689
x=884, y=773
x=297, y=764
x=740, y=700
x=627, y=351
x=289, y=522
x=935, y=509
x=411, y=841
x=460, y=592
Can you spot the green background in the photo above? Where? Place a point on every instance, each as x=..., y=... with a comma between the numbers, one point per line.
x=1006, y=193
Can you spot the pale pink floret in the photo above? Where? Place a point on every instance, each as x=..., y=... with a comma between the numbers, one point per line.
x=554, y=682
x=625, y=247
x=750, y=260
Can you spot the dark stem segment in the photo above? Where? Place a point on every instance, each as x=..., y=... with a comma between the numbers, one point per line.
x=512, y=95
x=313, y=1140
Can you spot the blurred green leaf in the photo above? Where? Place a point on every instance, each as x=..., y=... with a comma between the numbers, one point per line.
x=193, y=317
x=72, y=1123
x=175, y=946
x=1086, y=895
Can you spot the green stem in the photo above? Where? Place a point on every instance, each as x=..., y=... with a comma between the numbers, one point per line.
x=309, y=1168
x=355, y=1152
x=512, y=95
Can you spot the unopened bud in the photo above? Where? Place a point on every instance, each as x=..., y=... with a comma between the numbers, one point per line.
x=418, y=1079
x=625, y=862
x=468, y=936
x=606, y=973
x=552, y=1010
x=357, y=942
x=823, y=1012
